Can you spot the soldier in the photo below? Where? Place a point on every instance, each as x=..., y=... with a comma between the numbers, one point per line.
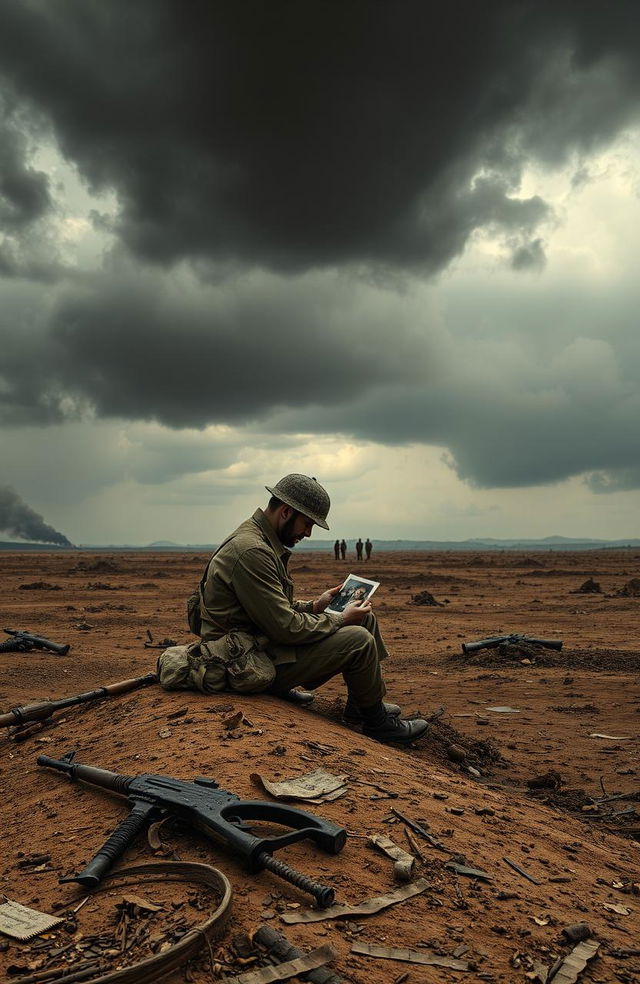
x=359, y=549
x=368, y=547
x=336, y=549
x=343, y=549
x=247, y=588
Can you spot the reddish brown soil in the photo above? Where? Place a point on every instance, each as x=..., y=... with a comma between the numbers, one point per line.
x=553, y=832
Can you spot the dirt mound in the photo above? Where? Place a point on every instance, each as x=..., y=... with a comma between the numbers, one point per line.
x=588, y=587
x=39, y=586
x=481, y=754
x=425, y=598
x=526, y=655
x=631, y=589
x=509, y=653
x=105, y=566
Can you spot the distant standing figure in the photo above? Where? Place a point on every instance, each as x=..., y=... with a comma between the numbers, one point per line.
x=359, y=545
x=336, y=549
x=343, y=549
x=368, y=547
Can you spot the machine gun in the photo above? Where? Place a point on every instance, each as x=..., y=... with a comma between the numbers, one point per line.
x=43, y=709
x=24, y=642
x=510, y=639
x=215, y=811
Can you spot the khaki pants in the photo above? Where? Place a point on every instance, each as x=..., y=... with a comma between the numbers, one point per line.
x=354, y=650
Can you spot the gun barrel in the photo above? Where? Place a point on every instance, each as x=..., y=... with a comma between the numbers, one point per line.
x=473, y=647
x=88, y=773
x=38, y=641
x=547, y=643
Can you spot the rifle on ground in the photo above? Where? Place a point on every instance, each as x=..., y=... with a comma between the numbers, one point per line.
x=215, y=811
x=510, y=639
x=43, y=709
x=24, y=642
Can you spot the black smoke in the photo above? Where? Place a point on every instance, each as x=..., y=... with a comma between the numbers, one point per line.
x=19, y=519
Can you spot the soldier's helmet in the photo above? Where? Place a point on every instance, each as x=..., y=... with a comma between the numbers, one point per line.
x=304, y=494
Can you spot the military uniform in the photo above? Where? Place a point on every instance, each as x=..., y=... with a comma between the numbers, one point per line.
x=247, y=587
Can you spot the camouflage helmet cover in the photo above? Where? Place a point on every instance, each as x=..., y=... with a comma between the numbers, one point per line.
x=304, y=494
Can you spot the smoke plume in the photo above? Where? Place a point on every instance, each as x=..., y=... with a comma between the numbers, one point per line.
x=19, y=519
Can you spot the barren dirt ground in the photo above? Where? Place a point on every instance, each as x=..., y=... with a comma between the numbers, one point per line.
x=582, y=857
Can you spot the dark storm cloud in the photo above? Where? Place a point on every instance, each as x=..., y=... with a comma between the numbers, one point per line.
x=529, y=256
x=24, y=191
x=139, y=346
x=301, y=134
x=19, y=519
x=365, y=136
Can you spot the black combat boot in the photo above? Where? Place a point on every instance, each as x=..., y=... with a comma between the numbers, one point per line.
x=353, y=714
x=296, y=696
x=380, y=726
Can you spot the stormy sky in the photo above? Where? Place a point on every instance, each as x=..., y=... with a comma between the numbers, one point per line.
x=392, y=245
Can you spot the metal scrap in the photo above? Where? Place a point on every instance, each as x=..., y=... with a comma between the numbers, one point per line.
x=419, y=829
x=575, y=962
x=291, y=968
x=462, y=869
x=403, y=862
x=367, y=908
x=521, y=871
x=409, y=955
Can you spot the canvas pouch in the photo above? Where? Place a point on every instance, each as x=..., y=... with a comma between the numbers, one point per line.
x=193, y=612
x=236, y=661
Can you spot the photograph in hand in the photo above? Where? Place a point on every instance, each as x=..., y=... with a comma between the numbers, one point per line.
x=354, y=589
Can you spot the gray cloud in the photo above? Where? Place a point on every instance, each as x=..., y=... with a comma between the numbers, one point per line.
x=24, y=191
x=19, y=519
x=373, y=141
x=529, y=256
x=142, y=347
x=295, y=136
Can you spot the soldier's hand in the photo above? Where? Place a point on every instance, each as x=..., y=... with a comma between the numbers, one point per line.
x=356, y=612
x=325, y=599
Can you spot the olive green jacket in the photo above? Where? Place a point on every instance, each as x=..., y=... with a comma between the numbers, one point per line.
x=247, y=587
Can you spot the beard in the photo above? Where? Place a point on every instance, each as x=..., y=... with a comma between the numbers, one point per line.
x=286, y=534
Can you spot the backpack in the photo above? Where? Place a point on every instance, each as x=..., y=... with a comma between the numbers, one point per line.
x=237, y=662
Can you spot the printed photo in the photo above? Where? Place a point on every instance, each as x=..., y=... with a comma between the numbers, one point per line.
x=355, y=588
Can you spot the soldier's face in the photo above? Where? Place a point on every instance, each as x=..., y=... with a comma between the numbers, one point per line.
x=294, y=528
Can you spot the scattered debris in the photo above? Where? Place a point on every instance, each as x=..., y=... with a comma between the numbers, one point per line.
x=549, y=780
x=319, y=957
x=368, y=908
x=463, y=869
x=456, y=753
x=39, y=586
x=521, y=871
x=575, y=962
x=23, y=923
x=577, y=932
x=631, y=589
x=617, y=907
x=315, y=787
x=404, y=862
x=409, y=955
x=419, y=829
x=162, y=644
x=425, y=598
x=588, y=587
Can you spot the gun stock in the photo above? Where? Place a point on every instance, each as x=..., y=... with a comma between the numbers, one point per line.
x=41, y=710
